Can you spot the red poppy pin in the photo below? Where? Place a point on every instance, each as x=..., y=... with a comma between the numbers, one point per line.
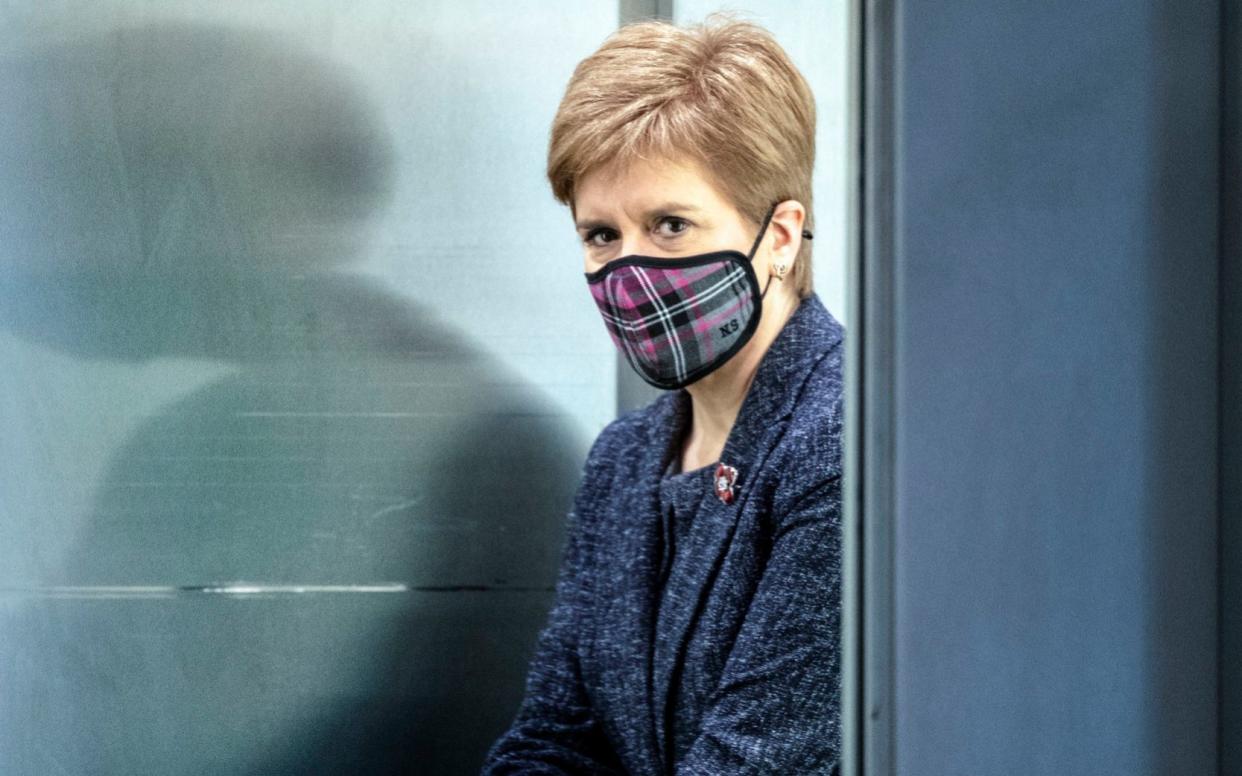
x=724, y=479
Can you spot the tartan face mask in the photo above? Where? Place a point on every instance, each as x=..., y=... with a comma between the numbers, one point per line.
x=677, y=320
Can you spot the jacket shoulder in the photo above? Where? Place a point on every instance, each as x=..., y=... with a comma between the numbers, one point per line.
x=623, y=444
x=810, y=452
x=628, y=429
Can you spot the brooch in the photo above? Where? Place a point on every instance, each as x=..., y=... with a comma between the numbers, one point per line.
x=724, y=479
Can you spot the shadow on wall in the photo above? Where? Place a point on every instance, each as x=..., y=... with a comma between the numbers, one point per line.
x=194, y=191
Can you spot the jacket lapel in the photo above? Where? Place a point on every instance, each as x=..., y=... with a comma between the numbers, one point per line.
x=807, y=336
x=629, y=596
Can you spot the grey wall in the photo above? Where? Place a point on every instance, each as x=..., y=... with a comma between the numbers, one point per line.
x=1052, y=464
x=1231, y=397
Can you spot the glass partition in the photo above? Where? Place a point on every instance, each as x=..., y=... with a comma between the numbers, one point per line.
x=297, y=374
x=288, y=420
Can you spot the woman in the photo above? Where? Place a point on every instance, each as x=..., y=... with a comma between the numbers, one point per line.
x=696, y=622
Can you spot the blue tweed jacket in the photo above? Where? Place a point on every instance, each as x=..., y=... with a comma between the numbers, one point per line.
x=751, y=628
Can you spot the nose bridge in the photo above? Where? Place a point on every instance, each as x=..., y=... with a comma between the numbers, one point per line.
x=634, y=244
x=635, y=240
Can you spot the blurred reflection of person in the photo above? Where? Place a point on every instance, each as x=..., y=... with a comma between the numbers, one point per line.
x=290, y=565
x=696, y=623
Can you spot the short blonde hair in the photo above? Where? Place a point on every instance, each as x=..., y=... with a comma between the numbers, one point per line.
x=723, y=93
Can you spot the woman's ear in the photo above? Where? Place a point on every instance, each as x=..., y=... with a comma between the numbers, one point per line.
x=786, y=228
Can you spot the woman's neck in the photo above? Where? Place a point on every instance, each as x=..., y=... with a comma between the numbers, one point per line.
x=717, y=399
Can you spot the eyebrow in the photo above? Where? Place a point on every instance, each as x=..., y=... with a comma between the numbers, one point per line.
x=667, y=207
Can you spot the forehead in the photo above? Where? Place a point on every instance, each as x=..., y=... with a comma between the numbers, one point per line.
x=634, y=188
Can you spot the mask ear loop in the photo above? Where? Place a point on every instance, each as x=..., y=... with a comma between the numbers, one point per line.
x=763, y=229
x=751, y=256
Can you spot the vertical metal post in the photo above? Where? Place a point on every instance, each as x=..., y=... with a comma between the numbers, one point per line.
x=852, y=707
x=867, y=646
x=634, y=10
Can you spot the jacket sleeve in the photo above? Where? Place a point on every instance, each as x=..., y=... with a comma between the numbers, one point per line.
x=555, y=730
x=776, y=708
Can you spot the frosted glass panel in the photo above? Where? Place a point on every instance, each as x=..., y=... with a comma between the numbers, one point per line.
x=297, y=371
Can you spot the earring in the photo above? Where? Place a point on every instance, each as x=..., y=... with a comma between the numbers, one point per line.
x=780, y=270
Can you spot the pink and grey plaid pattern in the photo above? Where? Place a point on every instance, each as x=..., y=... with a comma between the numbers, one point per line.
x=676, y=322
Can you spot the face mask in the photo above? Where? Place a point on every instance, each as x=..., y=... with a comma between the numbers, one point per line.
x=677, y=320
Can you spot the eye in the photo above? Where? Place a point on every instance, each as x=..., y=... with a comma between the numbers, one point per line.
x=599, y=237
x=671, y=226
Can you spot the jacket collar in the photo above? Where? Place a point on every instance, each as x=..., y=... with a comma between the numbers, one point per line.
x=809, y=334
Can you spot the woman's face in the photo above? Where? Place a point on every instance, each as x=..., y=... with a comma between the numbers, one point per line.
x=655, y=208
